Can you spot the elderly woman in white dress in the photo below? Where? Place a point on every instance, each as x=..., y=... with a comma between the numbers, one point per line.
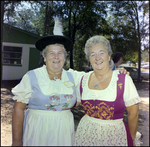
x=49, y=92
x=104, y=96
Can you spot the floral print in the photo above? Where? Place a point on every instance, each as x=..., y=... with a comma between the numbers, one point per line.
x=54, y=97
x=68, y=96
x=54, y=102
x=50, y=107
x=66, y=105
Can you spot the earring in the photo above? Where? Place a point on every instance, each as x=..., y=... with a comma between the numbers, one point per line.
x=44, y=60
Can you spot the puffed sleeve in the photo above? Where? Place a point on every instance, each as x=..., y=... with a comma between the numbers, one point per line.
x=131, y=95
x=78, y=93
x=23, y=90
x=77, y=75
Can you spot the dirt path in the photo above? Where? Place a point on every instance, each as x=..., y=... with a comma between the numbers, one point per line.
x=6, y=114
x=7, y=106
x=143, y=126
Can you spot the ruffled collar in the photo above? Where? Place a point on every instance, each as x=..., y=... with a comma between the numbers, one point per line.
x=52, y=87
x=47, y=76
x=110, y=87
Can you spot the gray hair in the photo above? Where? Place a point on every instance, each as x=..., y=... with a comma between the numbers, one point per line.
x=95, y=40
x=43, y=53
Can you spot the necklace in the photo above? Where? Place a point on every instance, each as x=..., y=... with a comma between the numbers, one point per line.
x=96, y=85
x=55, y=77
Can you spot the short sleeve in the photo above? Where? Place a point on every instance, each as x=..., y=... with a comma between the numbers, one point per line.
x=131, y=95
x=77, y=75
x=23, y=90
x=78, y=92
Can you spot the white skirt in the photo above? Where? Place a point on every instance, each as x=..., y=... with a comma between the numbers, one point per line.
x=96, y=132
x=48, y=128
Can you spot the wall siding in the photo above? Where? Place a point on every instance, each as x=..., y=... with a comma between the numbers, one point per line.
x=13, y=36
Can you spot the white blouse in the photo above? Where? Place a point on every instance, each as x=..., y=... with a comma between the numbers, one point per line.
x=130, y=96
x=23, y=90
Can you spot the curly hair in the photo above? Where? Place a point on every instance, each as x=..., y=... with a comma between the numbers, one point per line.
x=43, y=54
x=95, y=40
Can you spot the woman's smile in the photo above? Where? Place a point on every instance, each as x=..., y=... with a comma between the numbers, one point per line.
x=56, y=62
x=99, y=62
x=99, y=57
x=55, y=57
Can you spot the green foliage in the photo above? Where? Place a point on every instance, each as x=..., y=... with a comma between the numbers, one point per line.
x=83, y=19
x=79, y=55
x=130, y=29
x=131, y=56
x=145, y=56
x=9, y=8
x=78, y=28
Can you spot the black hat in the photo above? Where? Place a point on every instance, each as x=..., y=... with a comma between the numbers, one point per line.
x=56, y=38
x=53, y=39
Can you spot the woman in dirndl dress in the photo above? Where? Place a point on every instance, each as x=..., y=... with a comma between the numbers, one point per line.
x=49, y=92
x=104, y=96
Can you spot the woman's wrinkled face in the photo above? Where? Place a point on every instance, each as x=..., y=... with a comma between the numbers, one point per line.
x=55, y=57
x=99, y=57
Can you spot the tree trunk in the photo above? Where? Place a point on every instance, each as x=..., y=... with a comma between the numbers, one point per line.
x=47, y=18
x=139, y=47
x=71, y=50
x=139, y=54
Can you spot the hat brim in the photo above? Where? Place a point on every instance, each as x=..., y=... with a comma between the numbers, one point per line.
x=48, y=40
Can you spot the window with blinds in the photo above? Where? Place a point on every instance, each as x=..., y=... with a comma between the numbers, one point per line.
x=12, y=55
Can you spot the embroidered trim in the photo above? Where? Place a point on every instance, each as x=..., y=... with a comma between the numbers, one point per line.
x=19, y=99
x=68, y=96
x=91, y=93
x=132, y=101
x=54, y=97
x=103, y=111
x=50, y=107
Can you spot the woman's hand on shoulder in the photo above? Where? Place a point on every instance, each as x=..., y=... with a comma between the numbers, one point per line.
x=123, y=70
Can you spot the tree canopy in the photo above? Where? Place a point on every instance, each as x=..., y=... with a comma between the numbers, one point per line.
x=123, y=23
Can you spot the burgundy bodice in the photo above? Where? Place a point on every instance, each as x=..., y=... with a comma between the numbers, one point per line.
x=107, y=110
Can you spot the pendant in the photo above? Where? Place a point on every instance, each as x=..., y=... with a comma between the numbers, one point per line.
x=95, y=86
x=55, y=78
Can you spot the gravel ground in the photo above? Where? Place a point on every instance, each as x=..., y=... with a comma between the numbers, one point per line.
x=7, y=106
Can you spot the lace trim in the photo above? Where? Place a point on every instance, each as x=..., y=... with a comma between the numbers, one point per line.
x=110, y=87
x=113, y=81
x=85, y=78
x=91, y=133
x=132, y=101
x=21, y=99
